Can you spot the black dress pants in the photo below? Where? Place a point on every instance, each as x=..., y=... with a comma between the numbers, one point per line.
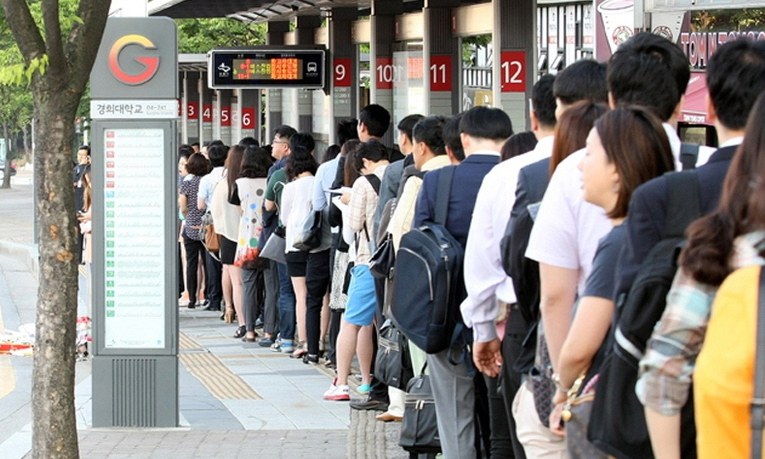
x=317, y=276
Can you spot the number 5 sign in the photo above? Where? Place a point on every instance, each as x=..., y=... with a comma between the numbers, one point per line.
x=513, y=71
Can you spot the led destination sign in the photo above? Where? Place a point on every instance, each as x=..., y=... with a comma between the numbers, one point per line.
x=266, y=68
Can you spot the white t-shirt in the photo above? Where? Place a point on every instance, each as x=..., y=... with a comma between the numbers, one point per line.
x=567, y=229
x=296, y=205
x=207, y=185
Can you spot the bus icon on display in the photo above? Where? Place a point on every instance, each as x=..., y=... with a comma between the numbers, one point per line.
x=268, y=67
x=312, y=67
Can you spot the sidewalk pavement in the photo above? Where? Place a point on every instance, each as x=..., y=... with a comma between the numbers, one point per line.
x=236, y=399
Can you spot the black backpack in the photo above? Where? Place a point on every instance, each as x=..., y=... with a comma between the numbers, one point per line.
x=426, y=285
x=617, y=424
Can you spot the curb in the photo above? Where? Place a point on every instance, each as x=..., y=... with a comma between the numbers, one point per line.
x=25, y=253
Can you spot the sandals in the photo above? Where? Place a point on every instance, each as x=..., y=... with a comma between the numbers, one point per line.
x=299, y=353
x=240, y=332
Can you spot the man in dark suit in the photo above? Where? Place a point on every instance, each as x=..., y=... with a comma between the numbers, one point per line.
x=483, y=130
x=735, y=77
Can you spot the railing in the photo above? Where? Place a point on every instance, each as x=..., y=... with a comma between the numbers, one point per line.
x=477, y=77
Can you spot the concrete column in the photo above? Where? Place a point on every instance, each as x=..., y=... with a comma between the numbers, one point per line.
x=207, y=110
x=382, y=25
x=224, y=116
x=305, y=34
x=249, y=114
x=274, y=36
x=441, y=57
x=344, y=68
x=191, y=109
x=514, y=42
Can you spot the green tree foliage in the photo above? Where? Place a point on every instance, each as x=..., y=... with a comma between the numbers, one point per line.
x=202, y=35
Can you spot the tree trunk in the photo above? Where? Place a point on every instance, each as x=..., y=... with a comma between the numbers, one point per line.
x=27, y=142
x=8, y=158
x=54, y=433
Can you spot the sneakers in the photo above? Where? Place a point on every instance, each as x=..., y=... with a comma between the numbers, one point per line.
x=337, y=393
x=277, y=346
x=265, y=342
x=287, y=346
x=364, y=389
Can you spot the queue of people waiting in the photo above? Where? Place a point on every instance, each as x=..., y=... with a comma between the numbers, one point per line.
x=594, y=288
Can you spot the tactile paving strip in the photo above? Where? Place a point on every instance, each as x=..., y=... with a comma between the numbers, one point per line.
x=212, y=373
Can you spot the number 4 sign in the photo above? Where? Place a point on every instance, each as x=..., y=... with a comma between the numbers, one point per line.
x=513, y=71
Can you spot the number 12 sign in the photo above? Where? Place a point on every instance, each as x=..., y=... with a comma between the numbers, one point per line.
x=513, y=71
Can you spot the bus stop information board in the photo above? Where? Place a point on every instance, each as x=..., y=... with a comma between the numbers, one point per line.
x=267, y=68
x=133, y=240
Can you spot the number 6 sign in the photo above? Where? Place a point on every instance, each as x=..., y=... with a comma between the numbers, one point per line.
x=513, y=71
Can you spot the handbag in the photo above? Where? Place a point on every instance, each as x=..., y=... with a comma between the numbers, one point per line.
x=393, y=365
x=419, y=429
x=274, y=248
x=542, y=384
x=310, y=237
x=383, y=259
x=576, y=414
x=207, y=234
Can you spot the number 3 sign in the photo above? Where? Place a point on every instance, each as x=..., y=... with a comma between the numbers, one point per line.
x=513, y=71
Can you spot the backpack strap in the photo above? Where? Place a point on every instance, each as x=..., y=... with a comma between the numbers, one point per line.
x=689, y=154
x=758, y=402
x=374, y=181
x=443, y=190
x=683, y=202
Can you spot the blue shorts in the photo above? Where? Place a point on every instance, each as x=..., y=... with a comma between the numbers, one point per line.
x=362, y=301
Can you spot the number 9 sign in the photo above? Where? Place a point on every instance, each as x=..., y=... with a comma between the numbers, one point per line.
x=342, y=72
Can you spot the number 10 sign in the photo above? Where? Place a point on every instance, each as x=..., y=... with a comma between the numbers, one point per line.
x=513, y=71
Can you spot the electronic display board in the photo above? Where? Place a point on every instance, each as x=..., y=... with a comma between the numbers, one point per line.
x=267, y=68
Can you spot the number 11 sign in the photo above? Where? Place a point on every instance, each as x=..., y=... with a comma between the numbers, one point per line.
x=513, y=71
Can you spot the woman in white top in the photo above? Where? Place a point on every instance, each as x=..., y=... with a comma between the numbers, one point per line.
x=248, y=192
x=309, y=270
x=226, y=220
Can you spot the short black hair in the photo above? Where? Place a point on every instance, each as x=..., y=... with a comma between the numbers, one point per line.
x=543, y=100
x=486, y=123
x=735, y=77
x=518, y=144
x=331, y=152
x=86, y=148
x=184, y=151
x=346, y=130
x=406, y=125
x=372, y=150
x=198, y=165
x=299, y=161
x=430, y=130
x=284, y=131
x=215, y=142
x=217, y=154
x=650, y=71
x=376, y=118
x=302, y=140
x=583, y=80
x=247, y=141
x=193, y=144
x=255, y=162
x=452, y=137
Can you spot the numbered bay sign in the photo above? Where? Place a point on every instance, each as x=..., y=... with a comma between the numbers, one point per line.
x=513, y=71
x=441, y=73
x=342, y=72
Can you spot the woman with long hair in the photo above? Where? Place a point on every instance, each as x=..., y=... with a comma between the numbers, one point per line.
x=731, y=237
x=626, y=148
x=247, y=190
x=226, y=220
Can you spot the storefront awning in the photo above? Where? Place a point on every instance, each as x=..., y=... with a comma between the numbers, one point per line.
x=695, y=105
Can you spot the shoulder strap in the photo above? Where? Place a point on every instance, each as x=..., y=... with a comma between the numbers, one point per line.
x=689, y=154
x=683, y=203
x=374, y=181
x=758, y=402
x=443, y=190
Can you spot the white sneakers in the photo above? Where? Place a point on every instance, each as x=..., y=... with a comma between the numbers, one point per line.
x=337, y=393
